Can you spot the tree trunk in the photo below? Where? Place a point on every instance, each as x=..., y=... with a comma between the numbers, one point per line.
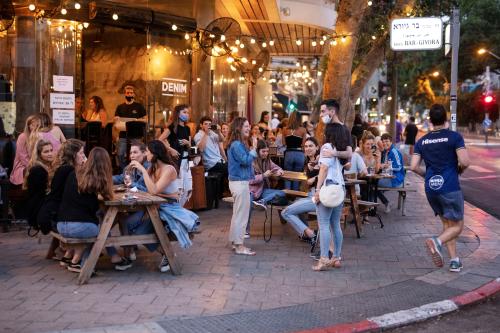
x=338, y=76
x=339, y=83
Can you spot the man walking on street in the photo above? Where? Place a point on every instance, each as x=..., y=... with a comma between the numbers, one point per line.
x=445, y=158
x=410, y=134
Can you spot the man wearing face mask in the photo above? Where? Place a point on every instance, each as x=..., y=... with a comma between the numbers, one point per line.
x=127, y=111
x=329, y=114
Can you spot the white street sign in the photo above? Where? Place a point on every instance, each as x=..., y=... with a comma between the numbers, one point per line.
x=420, y=33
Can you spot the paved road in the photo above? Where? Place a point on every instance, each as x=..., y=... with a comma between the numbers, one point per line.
x=477, y=319
x=481, y=181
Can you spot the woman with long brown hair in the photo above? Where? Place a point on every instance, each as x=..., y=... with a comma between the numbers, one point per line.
x=36, y=179
x=96, y=111
x=161, y=179
x=77, y=215
x=240, y=158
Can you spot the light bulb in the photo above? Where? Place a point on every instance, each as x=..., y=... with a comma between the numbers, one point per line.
x=198, y=79
x=298, y=42
x=254, y=62
x=222, y=38
x=115, y=16
x=64, y=11
x=370, y=3
x=304, y=67
x=242, y=46
x=333, y=42
x=233, y=68
x=85, y=25
x=80, y=26
x=313, y=43
x=252, y=41
x=230, y=59
x=297, y=64
x=174, y=27
x=321, y=42
x=271, y=42
x=77, y=5
x=148, y=46
x=324, y=37
x=264, y=44
x=374, y=37
x=343, y=39
x=32, y=7
x=237, y=42
x=244, y=60
x=49, y=22
x=319, y=73
x=261, y=69
x=186, y=36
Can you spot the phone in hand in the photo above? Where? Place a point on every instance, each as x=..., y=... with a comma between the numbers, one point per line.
x=374, y=150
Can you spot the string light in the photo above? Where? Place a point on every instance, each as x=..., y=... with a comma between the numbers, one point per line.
x=234, y=49
x=333, y=42
x=319, y=73
x=49, y=22
x=233, y=68
x=370, y=3
x=222, y=38
x=254, y=62
x=148, y=46
x=297, y=64
x=313, y=43
x=271, y=42
x=77, y=6
x=186, y=36
x=198, y=79
x=264, y=44
x=321, y=42
x=115, y=16
x=242, y=46
x=374, y=37
x=244, y=60
x=298, y=42
x=85, y=25
x=304, y=67
x=324, y=37
x=261, y=69
x=64, y=11
x=230, y=60
x=252, y=41
x=174, y=27
x=343, y=39
x=32, y=7
x=237, y=42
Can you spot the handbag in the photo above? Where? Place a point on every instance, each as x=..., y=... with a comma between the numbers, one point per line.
x=331, y=195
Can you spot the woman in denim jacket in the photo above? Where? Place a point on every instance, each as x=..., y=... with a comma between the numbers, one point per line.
x=240, y=159
x=330, y=172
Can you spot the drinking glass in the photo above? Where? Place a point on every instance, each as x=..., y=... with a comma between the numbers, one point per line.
x=127, y=179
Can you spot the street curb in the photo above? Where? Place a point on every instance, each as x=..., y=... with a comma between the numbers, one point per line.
x=413, y=315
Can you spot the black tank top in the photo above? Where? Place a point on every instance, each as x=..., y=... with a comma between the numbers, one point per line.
x=293, y=142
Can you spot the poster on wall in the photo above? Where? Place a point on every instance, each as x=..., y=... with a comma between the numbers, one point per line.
x=63, y=117
x=62, y=101
x=62, y=83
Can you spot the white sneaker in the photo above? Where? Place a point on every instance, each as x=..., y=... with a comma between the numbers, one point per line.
x=388, y=208
x=247, y=235
x=164, y=265
x=132, y=256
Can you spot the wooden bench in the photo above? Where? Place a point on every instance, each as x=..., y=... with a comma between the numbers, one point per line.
x=401, y=195
x=295, y=194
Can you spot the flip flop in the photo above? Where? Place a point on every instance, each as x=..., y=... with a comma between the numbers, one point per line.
x=244, y=251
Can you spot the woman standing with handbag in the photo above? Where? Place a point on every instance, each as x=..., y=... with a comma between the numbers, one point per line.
x=240, y=159
x=329, y=198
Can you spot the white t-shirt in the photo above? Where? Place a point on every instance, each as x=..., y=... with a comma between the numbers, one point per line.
x=357, y=166
x=274, y=123
x=334, y=166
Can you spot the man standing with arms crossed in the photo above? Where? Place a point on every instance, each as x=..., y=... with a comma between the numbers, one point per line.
x=445, y=158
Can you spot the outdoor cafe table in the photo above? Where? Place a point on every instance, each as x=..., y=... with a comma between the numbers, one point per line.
x=142, y=201
x=372, y=182
x=350, y=185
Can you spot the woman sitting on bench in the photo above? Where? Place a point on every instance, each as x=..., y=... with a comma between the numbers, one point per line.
x=305, y=205
x=260, y=192
x=161, y=179
x=36, y=180
x=77, y=215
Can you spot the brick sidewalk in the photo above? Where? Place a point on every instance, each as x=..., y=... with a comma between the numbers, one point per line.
x=36, y=295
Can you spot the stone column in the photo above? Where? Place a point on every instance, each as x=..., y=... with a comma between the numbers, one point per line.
x=25, y=71
x=204, y=13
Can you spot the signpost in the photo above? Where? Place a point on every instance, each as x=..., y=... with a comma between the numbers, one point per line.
x=416, y=34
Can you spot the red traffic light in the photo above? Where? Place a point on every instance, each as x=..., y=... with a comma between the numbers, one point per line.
x=488, y=99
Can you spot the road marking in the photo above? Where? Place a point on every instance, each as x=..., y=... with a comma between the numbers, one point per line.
x=478, y=168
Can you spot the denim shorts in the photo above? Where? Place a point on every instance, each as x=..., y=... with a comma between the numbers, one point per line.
x=448, y=205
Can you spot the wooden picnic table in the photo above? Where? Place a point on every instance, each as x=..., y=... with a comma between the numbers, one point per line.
x=141, y=201
x=350, y=185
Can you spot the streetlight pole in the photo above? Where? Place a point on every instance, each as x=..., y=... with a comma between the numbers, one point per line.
x=455, y=42
x=483, y=51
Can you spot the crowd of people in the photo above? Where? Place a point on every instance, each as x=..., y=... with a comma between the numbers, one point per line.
x=63, y=186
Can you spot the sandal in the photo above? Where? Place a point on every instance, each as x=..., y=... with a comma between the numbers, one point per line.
x=323, y=264
x=336, y=262
x=245, y=251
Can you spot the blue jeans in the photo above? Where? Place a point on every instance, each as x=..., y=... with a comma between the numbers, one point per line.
x=138, y=225
x=294, y=161
x=82, y=230
x=292, y=212
x=122, y=153
x=268, y=194
x=385, y=182
x=329, y=219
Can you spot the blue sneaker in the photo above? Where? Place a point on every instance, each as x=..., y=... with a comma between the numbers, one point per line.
x=435, y=250
x=456, y=266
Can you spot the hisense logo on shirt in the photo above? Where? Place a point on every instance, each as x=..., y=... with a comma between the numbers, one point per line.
x=439, y=140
